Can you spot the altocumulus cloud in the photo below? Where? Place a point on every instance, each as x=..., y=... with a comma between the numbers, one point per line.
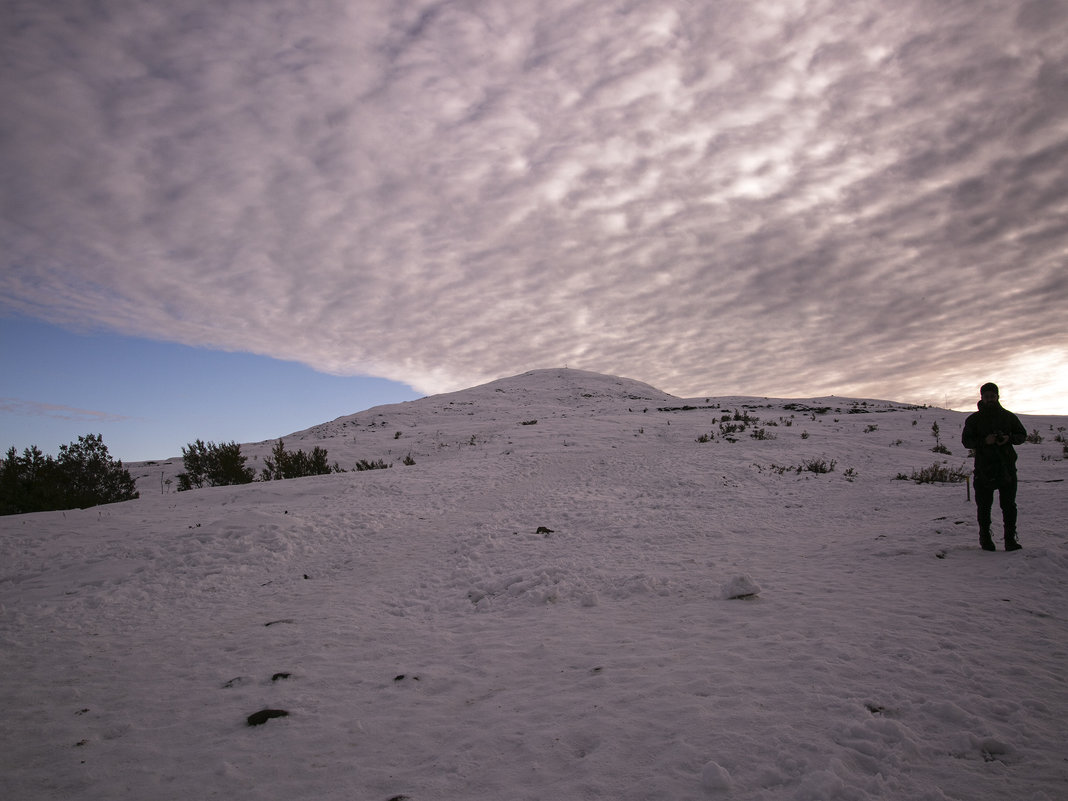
x=784, y=198
x=33, y=408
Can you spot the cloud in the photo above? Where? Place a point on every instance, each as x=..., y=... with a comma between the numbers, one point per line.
x=787, y=198
x=25, y=408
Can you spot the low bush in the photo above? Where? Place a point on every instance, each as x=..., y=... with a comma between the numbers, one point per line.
x=812, y=466
x=213, y=465
x=936, y=473
x=819, y=465
x=379, y=464
x=283, y=464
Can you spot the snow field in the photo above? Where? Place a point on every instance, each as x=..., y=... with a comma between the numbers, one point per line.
x=544, y=614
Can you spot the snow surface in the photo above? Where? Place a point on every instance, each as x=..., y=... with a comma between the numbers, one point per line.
x=548, y=610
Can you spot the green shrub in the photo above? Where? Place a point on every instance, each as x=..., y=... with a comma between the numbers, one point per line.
x=82, y=475
x=820, y=465
x=937, y=473
x=213, y=465
x=938, y=447
x=813, y=466
x=363, y=464
x=283, y=464
x=726, y=429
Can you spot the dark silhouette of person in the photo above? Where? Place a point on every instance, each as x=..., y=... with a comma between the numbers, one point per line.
x=991, y=433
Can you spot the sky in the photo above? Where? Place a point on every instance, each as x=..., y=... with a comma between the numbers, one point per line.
x=150, y=399
x=786, y=198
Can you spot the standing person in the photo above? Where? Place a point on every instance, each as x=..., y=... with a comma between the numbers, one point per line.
x=990, y=433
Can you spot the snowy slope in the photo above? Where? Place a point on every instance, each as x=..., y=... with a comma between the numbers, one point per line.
x=542, y=610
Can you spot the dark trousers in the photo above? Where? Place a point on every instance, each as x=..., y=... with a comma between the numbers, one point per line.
x=984, y=502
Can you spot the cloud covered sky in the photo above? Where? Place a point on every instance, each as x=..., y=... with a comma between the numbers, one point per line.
x=789, y=198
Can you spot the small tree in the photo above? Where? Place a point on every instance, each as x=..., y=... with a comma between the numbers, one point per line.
x=28, y=483
x=282, y=464
x=90, y=476
x=83, y=475
x=939, y=447
x=213, y=465
x=194, y=458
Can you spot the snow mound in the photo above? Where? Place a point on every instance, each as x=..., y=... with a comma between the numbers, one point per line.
x=741, y=586
x=716, y=778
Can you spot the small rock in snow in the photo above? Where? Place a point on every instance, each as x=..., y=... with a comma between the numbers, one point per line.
x=261, y=717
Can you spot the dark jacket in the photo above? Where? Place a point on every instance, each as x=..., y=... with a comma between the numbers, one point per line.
x=995, y=463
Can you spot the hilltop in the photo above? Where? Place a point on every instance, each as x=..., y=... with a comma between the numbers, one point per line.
x=488, y=420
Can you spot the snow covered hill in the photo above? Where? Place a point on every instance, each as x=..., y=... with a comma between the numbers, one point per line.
x=582, y=588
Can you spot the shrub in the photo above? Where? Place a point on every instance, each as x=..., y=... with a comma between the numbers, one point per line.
x=937, y=473
x=363, y=464
x=90, y=476
x=283, y=464
x=820, y=465
x=939, y=447
x=813, y=466
x=82, y=475
x=213, y=465
x=1034, y=437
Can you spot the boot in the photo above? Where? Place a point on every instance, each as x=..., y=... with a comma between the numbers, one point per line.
x=1010, y=542
x=985, y=541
